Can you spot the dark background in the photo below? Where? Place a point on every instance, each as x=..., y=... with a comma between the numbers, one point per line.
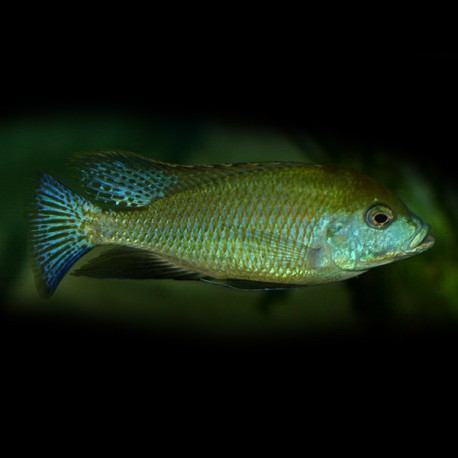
x=405, y=102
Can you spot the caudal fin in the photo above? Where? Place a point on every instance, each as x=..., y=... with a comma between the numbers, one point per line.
x=57, y=232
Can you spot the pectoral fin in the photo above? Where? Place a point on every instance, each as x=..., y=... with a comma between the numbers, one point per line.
x=281, y=249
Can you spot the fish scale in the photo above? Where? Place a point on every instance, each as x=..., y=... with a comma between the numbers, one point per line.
x=173, y=234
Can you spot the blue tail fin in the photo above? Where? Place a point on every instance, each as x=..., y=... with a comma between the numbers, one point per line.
x=57, y=233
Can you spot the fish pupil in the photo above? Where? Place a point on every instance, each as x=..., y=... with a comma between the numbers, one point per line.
x=380, y=218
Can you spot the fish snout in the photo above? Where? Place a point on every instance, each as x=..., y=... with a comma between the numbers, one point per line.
x=421, y=239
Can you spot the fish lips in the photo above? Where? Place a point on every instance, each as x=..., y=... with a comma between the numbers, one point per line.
x=420, y=241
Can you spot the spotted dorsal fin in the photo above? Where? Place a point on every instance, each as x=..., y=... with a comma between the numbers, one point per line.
x=125, y=179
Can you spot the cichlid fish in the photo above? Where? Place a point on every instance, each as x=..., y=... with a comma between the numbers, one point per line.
x=269, y=225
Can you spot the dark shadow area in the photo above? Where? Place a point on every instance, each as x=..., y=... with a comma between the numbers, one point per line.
x=55, y=344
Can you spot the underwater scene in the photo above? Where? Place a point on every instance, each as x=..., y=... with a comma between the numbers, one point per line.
x=418, y=294
x=400, y=292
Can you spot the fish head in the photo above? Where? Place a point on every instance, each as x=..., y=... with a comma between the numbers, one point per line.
x=374, y=229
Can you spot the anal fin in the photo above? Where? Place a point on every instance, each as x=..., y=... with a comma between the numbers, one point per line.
x=134, y=263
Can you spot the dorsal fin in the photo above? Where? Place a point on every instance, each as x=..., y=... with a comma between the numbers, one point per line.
x=125, y=179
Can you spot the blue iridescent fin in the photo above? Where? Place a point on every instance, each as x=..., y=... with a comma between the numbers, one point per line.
x=57, y=233
x=124, y=179
x=121, y=179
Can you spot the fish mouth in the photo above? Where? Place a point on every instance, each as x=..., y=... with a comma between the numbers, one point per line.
x=420, y=241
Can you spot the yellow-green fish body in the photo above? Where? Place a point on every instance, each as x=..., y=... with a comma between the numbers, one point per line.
x=256, y=225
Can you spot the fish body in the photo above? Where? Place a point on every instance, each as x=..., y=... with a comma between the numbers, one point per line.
x=249, y=225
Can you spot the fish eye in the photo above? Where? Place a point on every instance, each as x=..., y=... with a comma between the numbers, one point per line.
x=379, y=216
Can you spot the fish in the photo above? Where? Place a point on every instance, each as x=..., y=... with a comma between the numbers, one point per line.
x=262, y=226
